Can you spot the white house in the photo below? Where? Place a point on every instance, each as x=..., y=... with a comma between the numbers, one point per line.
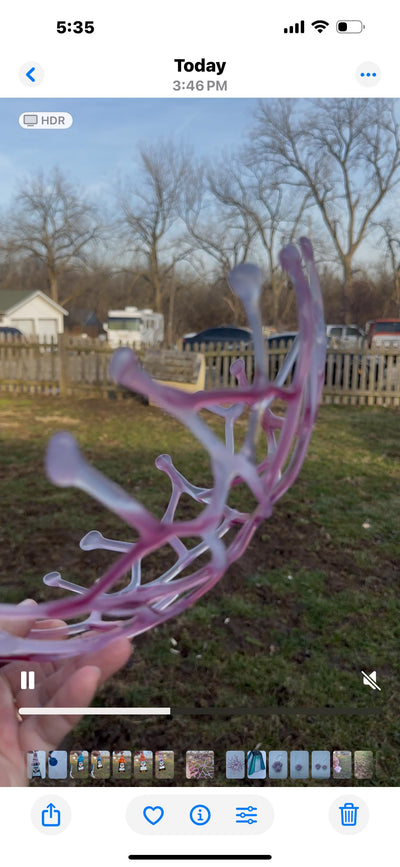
x=34, y=313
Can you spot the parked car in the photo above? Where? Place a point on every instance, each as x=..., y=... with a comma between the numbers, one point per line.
x=283, y=338
x=274, y=343
x=348, y=369
x=384, y=334
x=9, y=331
x=229, y=334
x=345, y=336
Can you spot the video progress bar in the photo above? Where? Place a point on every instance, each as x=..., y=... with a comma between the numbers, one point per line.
x=276, y=711
x=94, y=711
x=200, y=857
x=200, y=711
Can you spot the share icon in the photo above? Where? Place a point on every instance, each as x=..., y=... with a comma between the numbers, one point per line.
x=370, y=680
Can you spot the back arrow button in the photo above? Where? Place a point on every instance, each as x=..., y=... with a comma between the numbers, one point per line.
x=31, y=74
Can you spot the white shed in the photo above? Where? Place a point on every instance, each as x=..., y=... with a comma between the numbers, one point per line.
x=34, y=313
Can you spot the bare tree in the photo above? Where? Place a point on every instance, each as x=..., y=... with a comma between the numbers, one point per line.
x=391, y=241
x=251, y=194
x=224, y=233
x=345, y=152
x=17, y=274
x=154, y=229
x=51, y=222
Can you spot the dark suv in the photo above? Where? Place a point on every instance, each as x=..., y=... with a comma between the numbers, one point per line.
x=9, y=331
x=232, y=339
x=221, y=334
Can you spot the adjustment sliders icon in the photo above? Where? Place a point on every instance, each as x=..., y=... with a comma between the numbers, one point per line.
x=246, y=815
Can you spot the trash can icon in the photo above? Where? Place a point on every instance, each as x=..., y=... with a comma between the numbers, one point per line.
x=349, y=814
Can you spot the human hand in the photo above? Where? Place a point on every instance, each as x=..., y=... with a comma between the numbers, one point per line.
x=64, y=683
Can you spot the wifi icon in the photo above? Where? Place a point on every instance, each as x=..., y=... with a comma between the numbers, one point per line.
x=320, y=25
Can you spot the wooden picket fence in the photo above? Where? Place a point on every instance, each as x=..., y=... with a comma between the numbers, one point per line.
x=351, y=376
x=80, y=367
x=71, y=366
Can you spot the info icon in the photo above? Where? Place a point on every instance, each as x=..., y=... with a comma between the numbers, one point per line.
x=200, y=814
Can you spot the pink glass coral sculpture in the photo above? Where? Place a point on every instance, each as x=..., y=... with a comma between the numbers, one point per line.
x=142, y=604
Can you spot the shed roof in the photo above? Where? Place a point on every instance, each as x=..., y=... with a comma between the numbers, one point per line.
x=10, y=299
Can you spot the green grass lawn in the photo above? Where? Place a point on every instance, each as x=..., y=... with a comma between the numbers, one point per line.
x=314, y=600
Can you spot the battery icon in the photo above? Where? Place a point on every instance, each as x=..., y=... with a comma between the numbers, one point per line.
x=345, y=26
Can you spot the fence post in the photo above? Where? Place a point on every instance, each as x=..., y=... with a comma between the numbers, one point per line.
x=63, y=365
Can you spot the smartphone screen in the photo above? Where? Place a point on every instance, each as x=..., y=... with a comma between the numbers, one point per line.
x=199, y=414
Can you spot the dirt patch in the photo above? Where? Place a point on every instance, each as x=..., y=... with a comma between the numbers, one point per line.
x=62, y=419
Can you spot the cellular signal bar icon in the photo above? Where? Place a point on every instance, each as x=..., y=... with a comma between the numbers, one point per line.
x=295, y=28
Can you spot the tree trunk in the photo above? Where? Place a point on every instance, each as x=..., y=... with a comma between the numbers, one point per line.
x=397, y=291
x=347, y=284
x=276, y=287
x=235, y=306
x=53, y=281
x=157, y=294
x=171, y=310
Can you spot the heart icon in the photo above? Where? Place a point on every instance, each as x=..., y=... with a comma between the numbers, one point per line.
x=153, y=814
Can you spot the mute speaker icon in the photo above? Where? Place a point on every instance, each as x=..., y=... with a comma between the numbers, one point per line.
x=370, y=680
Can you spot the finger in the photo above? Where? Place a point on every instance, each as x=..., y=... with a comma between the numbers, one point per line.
x=20, y=626
x=42, y=670
x=12, y=674
x=43, y=626
x=49, y=624
x=9, y=723
x=107, y=661
x=12, y=671
x=111, y=658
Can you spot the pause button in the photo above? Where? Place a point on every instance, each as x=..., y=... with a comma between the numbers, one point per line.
x=27, y=680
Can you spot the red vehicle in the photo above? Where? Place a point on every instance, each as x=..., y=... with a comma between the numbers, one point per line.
x=384, y=334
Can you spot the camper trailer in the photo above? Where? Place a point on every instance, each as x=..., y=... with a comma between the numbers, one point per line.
x=133, y=327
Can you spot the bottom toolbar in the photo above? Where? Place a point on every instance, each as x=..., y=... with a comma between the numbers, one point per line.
x=292, y=826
